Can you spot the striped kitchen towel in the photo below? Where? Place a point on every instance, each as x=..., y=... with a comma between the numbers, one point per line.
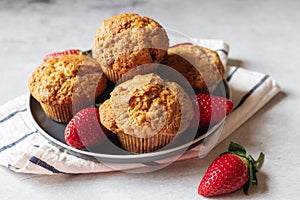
x=23, y=149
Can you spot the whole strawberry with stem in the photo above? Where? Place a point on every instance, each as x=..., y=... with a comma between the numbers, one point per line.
x=85, y=129
x=210, y=109
x=229, y=172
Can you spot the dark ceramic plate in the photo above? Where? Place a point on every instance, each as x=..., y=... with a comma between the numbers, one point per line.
x=111, y=151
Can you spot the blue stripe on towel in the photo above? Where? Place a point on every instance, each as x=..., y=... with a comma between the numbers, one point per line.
x=12, y=114
x=231, y=74
x=43, y=164
x=223, y=50
x=16, y=142
x=245, y=97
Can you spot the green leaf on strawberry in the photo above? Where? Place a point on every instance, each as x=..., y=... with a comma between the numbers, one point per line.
x=229, y=172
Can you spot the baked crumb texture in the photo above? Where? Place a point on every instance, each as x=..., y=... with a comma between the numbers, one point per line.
x=147, y=112
x=65, y=85
x=127, y=41
x=200, y=66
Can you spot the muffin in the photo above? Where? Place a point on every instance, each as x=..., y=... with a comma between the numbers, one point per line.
x=108, y=117
x=129, y=41
x=65, y=85
x=146, y=112
x=200, y=66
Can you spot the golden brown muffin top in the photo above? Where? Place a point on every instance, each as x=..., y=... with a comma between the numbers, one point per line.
x=107, y=117
x=59, y=80
x=126, y=41
x=124, y=22
x=200, y=66
x=147, y=105
x=214, y=59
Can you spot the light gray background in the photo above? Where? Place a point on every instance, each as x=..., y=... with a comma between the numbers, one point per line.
x=263, y=36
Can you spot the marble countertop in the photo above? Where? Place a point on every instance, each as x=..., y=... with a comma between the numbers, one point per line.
x=263, y=36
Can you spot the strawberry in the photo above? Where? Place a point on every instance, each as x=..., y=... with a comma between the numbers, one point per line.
x=62, y=53
x=84, y=129
x=212, y=109
x=229, y=172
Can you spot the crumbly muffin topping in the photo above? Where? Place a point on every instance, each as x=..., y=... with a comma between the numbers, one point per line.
x=147, y=105
x=124, y=22
x=200, y=66
x=151, y=96
x=60, y=80
x=214, y=59
x=129, y=40
x=107, y=117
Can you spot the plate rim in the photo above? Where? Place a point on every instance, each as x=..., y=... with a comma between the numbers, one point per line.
x=129, y=157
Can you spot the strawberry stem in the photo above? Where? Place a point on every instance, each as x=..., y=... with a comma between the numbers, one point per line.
x=246, y=187
x=252, y=173
x=97, y=105
x=237, y=149
x=252, y=164
x=260, y=160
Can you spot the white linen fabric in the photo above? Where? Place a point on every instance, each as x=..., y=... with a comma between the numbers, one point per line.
x=23, y=149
